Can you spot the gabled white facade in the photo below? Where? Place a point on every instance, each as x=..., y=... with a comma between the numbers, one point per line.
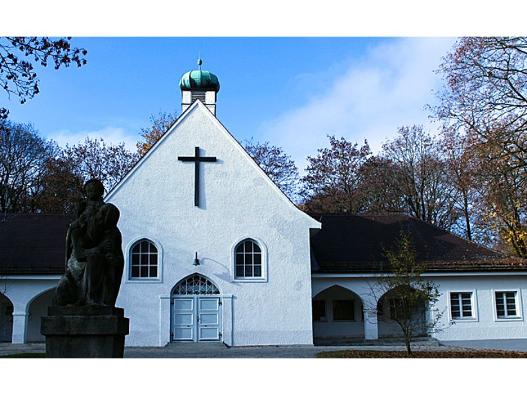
x=237, y=201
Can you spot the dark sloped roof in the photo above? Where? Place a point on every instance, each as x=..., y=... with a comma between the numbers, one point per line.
x=32, y=244
x=357, y=244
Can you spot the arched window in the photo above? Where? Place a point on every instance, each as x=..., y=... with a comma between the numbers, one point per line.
x=195, y=284
x=144, y=260
x=248, y=259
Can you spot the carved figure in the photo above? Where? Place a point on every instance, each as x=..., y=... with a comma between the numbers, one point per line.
x=94, y=258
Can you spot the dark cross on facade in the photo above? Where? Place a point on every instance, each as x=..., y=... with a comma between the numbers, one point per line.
x=196, y=159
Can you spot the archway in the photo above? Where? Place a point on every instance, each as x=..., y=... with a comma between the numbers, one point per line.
x=337, y=316
x=6, y=319
x=196, y=310
x=37, y=308
x=388, y=306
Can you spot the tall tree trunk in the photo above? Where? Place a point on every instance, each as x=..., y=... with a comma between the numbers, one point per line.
x=467, y=216
x=408, y=341
x=408, y=346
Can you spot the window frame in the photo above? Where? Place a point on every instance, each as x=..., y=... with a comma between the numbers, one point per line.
x=128, y=262
x=354, y=319
x=473, y=305
x=263, y=248
x=518, y=301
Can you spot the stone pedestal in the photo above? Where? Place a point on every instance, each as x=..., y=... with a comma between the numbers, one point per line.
x=84, y=332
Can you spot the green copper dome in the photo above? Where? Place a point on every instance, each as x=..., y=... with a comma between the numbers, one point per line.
x=199, y=80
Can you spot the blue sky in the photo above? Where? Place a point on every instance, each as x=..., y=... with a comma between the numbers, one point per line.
x=289, y=91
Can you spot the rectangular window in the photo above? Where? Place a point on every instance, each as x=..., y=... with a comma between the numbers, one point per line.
x=506, y=304
x=461, y=305
x=343, y=310
x=319, y=310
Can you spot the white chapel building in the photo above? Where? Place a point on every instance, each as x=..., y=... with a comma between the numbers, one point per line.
x=214, y=251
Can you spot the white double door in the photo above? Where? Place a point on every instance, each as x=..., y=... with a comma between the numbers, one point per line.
x=196, y=318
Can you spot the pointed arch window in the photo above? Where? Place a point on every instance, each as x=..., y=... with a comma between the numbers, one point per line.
x=248, y=260
x=195, y=284
x=144, y=260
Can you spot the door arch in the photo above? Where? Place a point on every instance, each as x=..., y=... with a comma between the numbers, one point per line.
x=337, y=316
x=37, y=308
x=6, y=319
x=195, y=284
x=195, y=310
x=387, y=308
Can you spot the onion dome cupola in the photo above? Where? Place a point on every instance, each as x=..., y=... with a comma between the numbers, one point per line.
x=199, y=85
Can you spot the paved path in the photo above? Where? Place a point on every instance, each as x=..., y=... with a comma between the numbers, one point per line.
x=218, y=350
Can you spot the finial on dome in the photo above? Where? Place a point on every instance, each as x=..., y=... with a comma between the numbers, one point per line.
x=199, y=85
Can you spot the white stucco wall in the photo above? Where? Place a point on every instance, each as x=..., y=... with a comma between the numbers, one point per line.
x=22, y=291
x=238, y=201
x=148, y=306
x=486, y=325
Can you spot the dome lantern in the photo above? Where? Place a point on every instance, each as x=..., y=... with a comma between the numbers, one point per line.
x=199, y=85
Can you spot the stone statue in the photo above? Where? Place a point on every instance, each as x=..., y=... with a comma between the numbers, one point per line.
x=84, y=322
x=94, y=257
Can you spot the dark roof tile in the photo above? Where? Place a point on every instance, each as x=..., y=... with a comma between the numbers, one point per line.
x=32, y=244
x=357, y=244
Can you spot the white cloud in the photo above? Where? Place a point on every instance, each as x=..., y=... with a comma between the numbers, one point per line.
x=110, y=134
x=389, y=87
